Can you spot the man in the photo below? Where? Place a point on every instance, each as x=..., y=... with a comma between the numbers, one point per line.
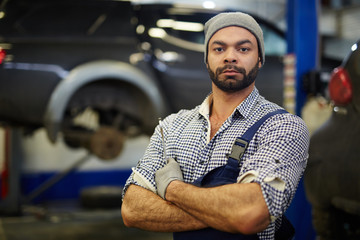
x=161, y=194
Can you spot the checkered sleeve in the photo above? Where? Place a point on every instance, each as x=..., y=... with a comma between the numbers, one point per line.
x=279, y=160
x=143, y=174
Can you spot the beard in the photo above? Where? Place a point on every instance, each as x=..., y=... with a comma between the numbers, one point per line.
x=232, y=83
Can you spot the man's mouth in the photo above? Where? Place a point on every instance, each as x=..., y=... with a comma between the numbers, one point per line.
x=230, y=71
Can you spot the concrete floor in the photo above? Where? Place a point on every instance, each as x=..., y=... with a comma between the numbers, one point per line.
x=66, y=221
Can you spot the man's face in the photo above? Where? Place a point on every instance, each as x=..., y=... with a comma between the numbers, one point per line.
x=233, y=59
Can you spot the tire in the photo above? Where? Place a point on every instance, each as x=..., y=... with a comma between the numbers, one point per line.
x=101, y=197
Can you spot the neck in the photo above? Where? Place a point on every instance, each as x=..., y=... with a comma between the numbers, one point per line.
x=224, y=103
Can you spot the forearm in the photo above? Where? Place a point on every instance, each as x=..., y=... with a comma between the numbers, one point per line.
x=144, y=209
x=231, y=208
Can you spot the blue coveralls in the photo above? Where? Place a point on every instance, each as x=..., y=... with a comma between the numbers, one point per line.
x=228, y=174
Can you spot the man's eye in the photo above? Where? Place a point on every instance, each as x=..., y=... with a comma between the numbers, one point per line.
x=244, y=49
x=219, y=49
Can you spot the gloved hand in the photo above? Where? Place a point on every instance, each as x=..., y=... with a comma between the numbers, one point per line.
x=164, y=176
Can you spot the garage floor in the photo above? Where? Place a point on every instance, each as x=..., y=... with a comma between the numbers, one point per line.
x=66, y=221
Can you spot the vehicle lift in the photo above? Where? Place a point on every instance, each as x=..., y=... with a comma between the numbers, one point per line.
x=11, y=198
x=303, y=50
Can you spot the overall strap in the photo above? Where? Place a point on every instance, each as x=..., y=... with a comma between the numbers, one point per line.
x=242, y=142
x=226, y=174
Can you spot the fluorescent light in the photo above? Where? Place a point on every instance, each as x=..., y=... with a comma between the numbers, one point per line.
x=209, y=4
x=157, y=32
x=188, y=26
x=354, y=47
x=165, y=23
x=180, y=25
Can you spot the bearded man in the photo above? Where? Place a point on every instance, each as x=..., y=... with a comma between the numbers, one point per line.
x=229, y=168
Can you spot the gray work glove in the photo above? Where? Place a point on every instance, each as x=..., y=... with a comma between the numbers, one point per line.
x=164, y=176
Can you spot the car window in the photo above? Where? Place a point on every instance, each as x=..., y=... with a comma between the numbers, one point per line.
x=190, y=29
x=184, y=26
x=275, y=44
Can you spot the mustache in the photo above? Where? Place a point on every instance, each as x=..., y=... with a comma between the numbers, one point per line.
x=231, y=67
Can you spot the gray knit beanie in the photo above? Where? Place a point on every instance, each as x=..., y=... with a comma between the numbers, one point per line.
x=239, y=19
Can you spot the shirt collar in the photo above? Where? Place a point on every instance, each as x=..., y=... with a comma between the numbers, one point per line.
x=204, y=109
x=244, y=108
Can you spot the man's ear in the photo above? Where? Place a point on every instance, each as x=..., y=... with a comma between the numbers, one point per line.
x=260, y=64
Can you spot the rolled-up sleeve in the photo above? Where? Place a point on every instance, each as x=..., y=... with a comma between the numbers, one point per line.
x=278, y=162
x=143, y=174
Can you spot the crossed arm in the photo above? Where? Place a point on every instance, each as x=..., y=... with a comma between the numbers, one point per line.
x=144, y=209
x=236, y=208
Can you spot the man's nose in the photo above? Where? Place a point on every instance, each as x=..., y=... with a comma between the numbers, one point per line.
x=230, y=57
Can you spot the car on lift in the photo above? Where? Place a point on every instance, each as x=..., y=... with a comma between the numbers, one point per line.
x=332, y=180
x=124, y=62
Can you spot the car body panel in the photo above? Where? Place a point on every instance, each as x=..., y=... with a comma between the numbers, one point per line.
x=55, y=57
x=332, y=181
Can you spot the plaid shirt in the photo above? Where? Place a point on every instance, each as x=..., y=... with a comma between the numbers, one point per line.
x=275, y=158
